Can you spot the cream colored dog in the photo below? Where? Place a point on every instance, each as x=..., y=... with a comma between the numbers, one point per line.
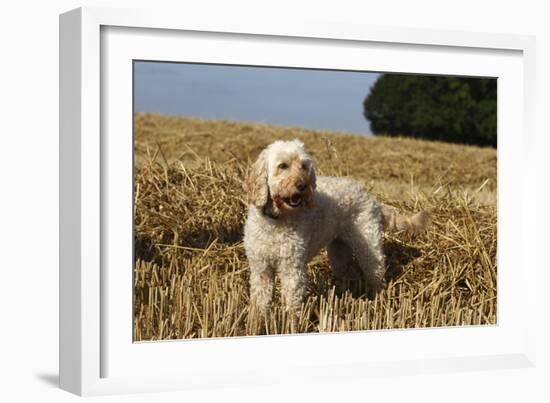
x=293, y=213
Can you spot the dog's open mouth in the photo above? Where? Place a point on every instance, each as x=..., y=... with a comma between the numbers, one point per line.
x=294, y=201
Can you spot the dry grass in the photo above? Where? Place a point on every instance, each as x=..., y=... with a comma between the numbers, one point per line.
x=191, y=277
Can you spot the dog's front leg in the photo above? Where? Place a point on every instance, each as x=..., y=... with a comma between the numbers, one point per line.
x=261, y=284
x=293, y=275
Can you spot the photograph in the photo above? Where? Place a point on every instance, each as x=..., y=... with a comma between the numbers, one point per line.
x=270, y=200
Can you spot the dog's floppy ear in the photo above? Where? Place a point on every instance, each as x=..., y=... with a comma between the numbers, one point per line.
x=312, y=176
x=256, y=182
x=312, y=184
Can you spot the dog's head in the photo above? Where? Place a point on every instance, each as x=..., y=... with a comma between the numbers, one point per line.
x=282, y=179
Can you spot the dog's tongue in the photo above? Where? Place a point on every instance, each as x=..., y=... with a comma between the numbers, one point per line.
x=295, y=199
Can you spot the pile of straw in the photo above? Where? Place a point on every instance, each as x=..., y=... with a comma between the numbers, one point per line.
x=191, y=273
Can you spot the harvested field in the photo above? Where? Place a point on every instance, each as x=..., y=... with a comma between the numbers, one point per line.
x=191, y=273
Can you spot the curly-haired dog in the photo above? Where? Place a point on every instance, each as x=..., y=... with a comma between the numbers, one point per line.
x=292, y=214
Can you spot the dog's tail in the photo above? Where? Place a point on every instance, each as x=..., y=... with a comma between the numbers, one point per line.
x=392, y=220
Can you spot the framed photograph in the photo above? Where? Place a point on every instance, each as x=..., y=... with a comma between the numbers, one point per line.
x=244, y=200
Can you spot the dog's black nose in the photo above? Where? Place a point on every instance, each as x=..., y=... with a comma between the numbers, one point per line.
x=301, y=186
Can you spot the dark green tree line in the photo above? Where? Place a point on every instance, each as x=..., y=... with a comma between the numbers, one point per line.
x=444, y=108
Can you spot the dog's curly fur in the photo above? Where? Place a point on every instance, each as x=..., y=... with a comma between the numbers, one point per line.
x=292, y=214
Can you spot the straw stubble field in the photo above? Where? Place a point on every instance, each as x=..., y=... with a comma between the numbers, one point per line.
x=191, y=273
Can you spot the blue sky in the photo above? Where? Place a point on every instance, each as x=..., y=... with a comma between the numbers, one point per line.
x=315, y=99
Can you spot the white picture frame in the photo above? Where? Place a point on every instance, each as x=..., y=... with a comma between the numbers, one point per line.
x=96, y=354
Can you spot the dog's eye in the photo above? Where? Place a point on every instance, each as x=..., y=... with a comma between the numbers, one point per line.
x=304, y=166
x=283, y=166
